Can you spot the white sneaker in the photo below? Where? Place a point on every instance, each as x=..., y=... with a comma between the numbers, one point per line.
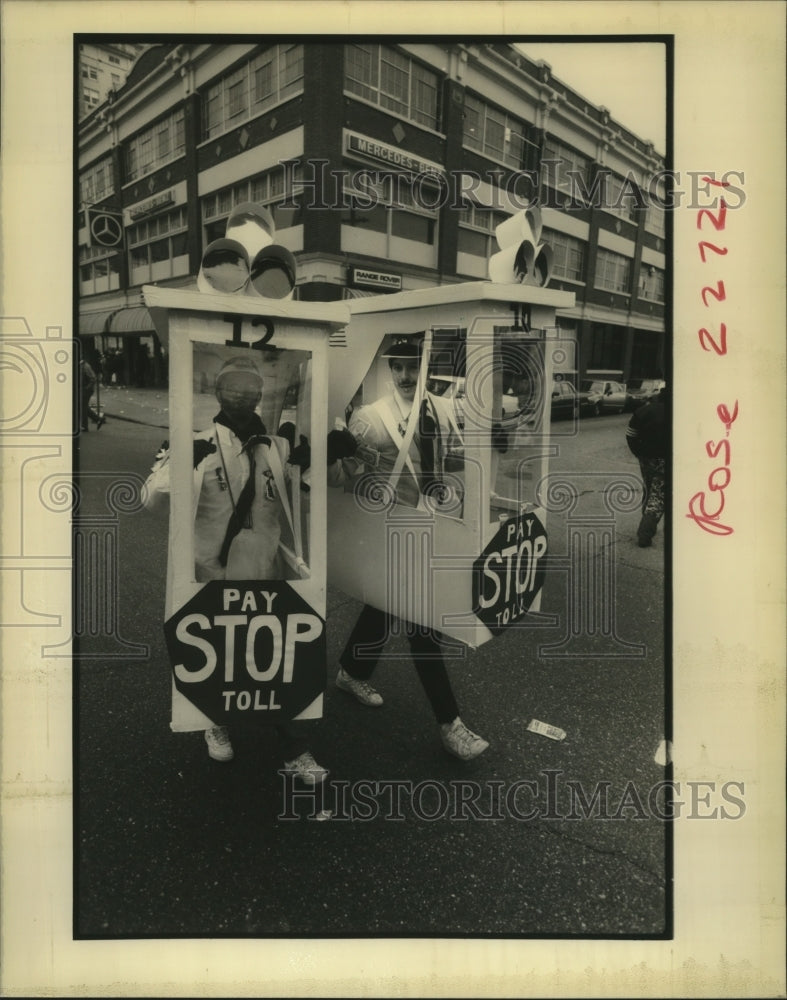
x=219, y=746
x=307, y=769
x=460, y=741
x=364, y=692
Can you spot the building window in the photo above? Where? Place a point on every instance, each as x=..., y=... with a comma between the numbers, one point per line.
x=392, y=80
x=95, y=184
x=651, y=283
x=477, y=231
x=645, y=355
x=563, y=168
x=236, y=94
x=158, y=248
x=392, y=204
x=568, y=255
x=154, y=147
x=89, y=73
x=613, y=272
x=269, y=189
x=271, y=77
x=606, y=346
x=618, y=198
x=90, y=97
x=163, y=141
x=497, y=135
x=99, y=270
x=655, y=221
x=114, y=59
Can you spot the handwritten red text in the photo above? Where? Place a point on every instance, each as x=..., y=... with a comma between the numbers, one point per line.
x=706, y=506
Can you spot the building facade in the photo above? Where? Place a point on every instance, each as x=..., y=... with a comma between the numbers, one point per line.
x=387, y=167
x=103, y=68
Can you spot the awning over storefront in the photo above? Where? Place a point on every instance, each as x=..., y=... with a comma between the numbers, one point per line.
x=358, y=293
x=136, y=320
x=91, y=324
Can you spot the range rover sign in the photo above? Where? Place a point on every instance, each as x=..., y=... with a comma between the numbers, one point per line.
x=362, y=277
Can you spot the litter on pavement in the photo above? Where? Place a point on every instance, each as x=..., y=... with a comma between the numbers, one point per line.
x=544, y=729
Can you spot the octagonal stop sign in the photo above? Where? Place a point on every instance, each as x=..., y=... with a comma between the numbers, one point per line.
x=247, y=648
x=509, y=573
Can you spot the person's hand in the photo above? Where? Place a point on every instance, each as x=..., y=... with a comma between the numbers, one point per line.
x=341, y=444
x=202, y=449
x=301, y=455
x=499, y=438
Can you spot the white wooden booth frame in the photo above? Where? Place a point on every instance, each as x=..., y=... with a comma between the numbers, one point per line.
x=185, y=319
x=415, y=562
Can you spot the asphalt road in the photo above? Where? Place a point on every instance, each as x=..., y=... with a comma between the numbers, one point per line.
x=169, y=843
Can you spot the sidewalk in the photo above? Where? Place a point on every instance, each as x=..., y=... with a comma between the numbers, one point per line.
x=151, y=406
x=140, y=406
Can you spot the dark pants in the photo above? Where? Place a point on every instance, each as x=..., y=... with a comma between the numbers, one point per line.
x=87, y=410
x=365, y=645
x=653, y=500
x=291, y=743
x=652, y=470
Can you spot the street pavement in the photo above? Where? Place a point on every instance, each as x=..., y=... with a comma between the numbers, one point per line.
x=131, y=404
x=170, y=843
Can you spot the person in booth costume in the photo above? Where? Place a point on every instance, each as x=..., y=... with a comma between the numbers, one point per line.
x=240, y=474
x=378, y=429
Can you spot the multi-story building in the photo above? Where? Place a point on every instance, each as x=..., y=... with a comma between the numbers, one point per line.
x=386, y=166
x=103, y=68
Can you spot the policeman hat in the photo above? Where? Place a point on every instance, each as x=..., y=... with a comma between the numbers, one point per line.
x=239, y=366
x=405, y=347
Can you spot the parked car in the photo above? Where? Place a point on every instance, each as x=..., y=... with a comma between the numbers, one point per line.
x=450, y=387
x=564, y=402
x=640, y=390
x=597, y=396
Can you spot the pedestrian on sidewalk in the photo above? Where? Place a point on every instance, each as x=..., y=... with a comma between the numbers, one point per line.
x=87, y=385
x=647, y=436
x=239, y=514
x=379, y=429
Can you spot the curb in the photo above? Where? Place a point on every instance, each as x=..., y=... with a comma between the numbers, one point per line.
x=133, y=420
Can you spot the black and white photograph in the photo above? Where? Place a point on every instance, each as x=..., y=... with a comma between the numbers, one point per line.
x=482, y=253
x=391, y=574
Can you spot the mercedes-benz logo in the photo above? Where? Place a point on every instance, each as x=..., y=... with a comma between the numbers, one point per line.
x=106, y=230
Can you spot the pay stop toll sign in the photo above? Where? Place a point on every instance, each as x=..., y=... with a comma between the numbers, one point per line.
x=509, y=573
x=247, y=648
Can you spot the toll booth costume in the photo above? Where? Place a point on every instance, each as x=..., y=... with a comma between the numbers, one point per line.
x=377, y=428
x=238, y=517
x=241, y=508
x=647, y=437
